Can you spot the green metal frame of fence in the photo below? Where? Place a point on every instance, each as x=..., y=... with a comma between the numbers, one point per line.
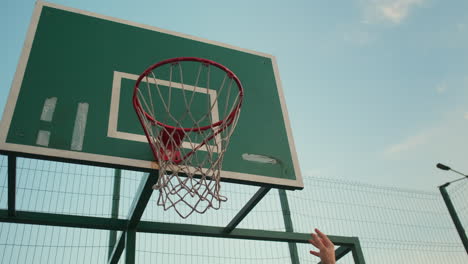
x=133, y=224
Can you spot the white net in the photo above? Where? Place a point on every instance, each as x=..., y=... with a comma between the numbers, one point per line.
x=189, y=110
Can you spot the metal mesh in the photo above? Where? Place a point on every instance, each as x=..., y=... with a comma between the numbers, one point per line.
x=188, y=120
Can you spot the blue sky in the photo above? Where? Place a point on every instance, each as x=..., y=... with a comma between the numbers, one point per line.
x=377, y=91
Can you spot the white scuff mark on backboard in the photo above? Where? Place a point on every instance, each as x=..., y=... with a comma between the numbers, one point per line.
x=80, y=127
x=43, y=138
x=48, y=109
x=259, y=158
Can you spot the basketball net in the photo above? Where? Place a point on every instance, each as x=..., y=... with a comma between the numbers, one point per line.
x=188, y=121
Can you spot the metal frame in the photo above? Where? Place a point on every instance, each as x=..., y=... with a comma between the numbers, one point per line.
x=136, y=211
x=11, y=185
x=133, y=223
x=115, y=208
x=351, y=243
x=288, y=224
x=246, y=209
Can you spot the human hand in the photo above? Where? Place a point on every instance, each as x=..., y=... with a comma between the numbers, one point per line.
x=326, y=248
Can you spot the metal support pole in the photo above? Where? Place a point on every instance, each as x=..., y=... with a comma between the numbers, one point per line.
x=142, y=198
x=246, y=209
x=358, y=255
x=130, y=246
x=454, y=216
x=117, y=250
x=137, y=208
x=11, y=185
x=115, y=208
x=101, y=223
x=288, y=224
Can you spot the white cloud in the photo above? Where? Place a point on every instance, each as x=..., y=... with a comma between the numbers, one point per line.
x=394, y=11
x=357, y=37
x=441, y=88
x=408, y=144
x=461, y=27
x=444, y=136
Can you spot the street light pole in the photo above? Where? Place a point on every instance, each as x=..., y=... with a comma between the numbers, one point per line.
x=451, y=208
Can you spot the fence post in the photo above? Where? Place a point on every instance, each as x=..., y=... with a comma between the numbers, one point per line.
x=454, y=216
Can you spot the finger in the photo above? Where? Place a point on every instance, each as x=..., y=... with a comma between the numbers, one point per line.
x=326, y=241
x=315, y=253
x=317, y=241
x=313, y=243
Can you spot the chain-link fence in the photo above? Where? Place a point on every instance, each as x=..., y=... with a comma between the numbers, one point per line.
x=394, y=225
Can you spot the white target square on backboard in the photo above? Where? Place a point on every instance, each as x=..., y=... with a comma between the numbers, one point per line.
x=116, y=106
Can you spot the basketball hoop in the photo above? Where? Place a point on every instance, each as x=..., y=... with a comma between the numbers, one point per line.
x=188, y=108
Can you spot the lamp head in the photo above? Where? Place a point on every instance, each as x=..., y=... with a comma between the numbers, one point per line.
x=443, y=167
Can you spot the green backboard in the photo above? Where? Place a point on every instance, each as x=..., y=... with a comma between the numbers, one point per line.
x=71, y=98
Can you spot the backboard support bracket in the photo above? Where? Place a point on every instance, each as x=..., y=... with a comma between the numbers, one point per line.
x=118, y=250
x=256, y=198
x=127, y=238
